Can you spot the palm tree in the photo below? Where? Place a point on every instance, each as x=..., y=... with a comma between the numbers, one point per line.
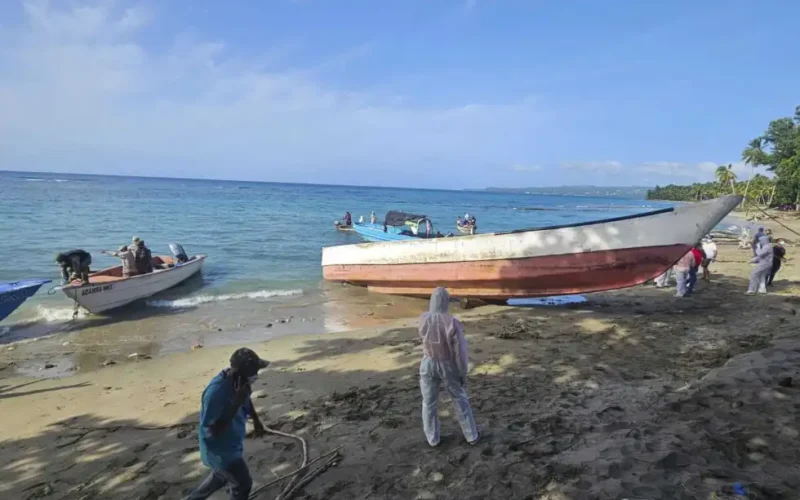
x=726, y=175
x=753, y=155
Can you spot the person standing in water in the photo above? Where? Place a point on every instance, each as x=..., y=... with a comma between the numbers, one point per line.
x=445, y=362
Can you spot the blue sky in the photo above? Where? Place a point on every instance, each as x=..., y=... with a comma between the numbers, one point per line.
x=444, y=93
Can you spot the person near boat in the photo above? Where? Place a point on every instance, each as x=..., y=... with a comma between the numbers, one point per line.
x=444, y=362
x=763, y=262
x=348, y=219
x=710, y=251
x=74, y=265
x=754, y=243
x=142, y=255
x=778, y=256
x=697, y=253
x=682, y=269
x=224, y=410
x=663, y=280
x=372, y=218
x=128, y=259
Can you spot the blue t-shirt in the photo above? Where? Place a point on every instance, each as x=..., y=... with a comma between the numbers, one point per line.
x=220, y=450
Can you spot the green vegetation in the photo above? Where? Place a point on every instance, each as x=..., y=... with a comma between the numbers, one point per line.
x=777, y=150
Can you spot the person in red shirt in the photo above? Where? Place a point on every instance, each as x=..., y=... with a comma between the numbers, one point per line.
x=699, y=255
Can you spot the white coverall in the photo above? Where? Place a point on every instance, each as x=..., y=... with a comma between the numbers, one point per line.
x=445, y=362
x=763, y=262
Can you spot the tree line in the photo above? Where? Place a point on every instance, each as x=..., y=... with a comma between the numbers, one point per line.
x=777, y=151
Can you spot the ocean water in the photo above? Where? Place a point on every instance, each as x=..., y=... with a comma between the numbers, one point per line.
x=263, y=243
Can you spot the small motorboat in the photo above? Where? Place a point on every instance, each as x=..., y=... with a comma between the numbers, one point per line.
x=108, y=289
x=467, y=229
x=397, y=226
x=559, y=260
x=343, y=227
x=13, y=294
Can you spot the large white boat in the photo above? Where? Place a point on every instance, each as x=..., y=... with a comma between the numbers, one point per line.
x=108, y=289
x=560, y=260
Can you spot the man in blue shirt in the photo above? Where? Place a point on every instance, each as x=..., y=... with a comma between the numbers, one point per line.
x=223, y=414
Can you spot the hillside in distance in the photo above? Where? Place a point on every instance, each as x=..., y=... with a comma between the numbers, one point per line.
x=610, y=191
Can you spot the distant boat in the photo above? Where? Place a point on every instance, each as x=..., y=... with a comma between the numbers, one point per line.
x=468, y=229
x=397, y=226
x=13, y=294
x=108, y=289
x=343, y=227
x=559, y=260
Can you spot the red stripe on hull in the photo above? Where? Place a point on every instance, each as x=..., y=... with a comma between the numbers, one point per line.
x=502, y=279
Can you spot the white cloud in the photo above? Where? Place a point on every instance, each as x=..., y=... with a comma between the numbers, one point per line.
x=526, y=168
x=80, y=89
x=703, y=171
x=608, y=166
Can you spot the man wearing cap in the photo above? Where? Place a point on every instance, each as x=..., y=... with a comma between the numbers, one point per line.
x=128, y=260
x=142, y=255
x=225, y=407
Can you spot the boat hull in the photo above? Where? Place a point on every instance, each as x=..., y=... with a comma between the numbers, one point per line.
x=12, y=295
x=579, y=258
x=509, y=278
x=104, y=293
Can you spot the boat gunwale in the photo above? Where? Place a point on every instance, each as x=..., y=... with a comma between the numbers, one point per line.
x=156, y=272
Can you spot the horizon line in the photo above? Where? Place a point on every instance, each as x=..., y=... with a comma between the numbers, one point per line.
x=478, y=190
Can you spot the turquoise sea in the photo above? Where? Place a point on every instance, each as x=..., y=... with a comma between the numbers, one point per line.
x=264, y=245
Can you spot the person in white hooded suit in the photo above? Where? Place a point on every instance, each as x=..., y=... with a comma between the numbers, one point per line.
x=763, y=262
x=445, y=362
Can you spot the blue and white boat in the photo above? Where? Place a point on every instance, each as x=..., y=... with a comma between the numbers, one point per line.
x=13, y=294
x=397, y=226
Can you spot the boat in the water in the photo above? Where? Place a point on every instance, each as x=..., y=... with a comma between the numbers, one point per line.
x=467, y=228
x=559, y=260
x=397, y=226
x=343, y=227
x=13, y=294
x=109, y=289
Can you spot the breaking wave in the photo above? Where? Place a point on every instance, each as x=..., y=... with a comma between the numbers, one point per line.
x=204, y=299
x=56, y=314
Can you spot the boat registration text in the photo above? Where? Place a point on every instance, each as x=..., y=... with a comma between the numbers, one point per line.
x=96, y=289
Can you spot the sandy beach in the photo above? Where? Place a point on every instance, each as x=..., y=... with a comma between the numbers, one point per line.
x=634, y=394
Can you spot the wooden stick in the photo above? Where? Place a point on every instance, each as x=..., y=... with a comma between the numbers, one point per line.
x=289, y=487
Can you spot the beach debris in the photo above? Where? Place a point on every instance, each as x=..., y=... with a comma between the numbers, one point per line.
x=65, y=343
x=197, y=345
x=436, y=477
x=47, y=366
x=109, y=362
x=785, y=382
x=515, y=330
x=219, y=329
x=136, y=355
x=269, y=325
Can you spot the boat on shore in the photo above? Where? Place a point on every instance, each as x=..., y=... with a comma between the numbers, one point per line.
x=109, y=289
x=13, y=294
x=397, y=226
x=559, y=260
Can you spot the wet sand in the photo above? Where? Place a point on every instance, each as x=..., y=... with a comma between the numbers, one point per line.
x=635, y=394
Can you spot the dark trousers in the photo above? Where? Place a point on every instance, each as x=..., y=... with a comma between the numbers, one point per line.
x=236, y=475
x=776, y=266
x=692, y=280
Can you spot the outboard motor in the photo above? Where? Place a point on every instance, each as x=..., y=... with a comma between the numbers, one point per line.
x=179, y=253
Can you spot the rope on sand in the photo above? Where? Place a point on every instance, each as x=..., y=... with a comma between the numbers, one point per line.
x=297, y=482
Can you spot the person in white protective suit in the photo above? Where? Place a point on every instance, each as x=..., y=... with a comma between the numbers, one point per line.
x=763, y=262
x=445, y=362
